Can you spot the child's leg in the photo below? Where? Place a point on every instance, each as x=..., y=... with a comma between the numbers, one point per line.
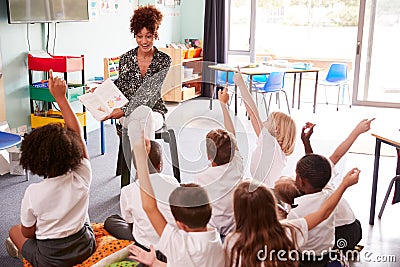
x=140, y=119
x=16, y=236
x=350, y=233
x=118, y=227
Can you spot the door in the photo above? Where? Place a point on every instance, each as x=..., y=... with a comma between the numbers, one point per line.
x=376, y=74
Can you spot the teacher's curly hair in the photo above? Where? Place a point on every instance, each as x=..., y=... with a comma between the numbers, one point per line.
x=148, y=17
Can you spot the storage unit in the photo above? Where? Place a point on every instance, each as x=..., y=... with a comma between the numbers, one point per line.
x=177, y=87
x=40, y=95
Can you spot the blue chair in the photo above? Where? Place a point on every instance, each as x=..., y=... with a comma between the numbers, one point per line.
x=8, y=140
x=337, y=76
x=258, y=82
x=221, y=78
x=274, y=84
x=221, y=81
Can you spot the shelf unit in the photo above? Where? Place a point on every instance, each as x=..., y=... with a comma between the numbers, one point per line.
x=39, y=92
x=173, y=88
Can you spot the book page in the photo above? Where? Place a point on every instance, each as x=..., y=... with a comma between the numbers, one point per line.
x=110, y=95
x=96, y=107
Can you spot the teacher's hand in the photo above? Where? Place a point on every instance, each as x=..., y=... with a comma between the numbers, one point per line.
x=115, y=114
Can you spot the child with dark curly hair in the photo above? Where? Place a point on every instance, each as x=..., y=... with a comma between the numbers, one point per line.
x=55, y=229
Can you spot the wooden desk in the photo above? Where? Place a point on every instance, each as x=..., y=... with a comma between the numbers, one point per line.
x=379, y=140
x=264, y=70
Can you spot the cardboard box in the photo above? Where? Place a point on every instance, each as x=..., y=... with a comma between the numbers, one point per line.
x=188, y=92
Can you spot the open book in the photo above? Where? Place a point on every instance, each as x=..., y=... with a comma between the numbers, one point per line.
x=103, y=100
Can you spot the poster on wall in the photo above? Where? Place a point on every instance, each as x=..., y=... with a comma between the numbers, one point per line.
x=109, y=6
x=93, y=9
x=169, y=3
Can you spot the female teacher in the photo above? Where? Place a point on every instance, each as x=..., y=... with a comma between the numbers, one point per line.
x=142, y=71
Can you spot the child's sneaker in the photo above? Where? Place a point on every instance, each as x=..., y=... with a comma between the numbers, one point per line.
x=12, y=250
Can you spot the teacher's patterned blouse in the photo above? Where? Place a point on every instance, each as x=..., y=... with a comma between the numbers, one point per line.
x=142, y=91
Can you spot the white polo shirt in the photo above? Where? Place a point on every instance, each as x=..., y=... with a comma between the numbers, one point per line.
x=191, y=249
x=58, y=205
x=220, y=183
x=322, y=237
x=268, y=159
x=132, y=211
x=344, y=214
x=300, y=235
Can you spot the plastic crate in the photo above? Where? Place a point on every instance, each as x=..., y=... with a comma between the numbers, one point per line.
x=54, y=117
x=42, y=84
x=56, y=63
x=43, y=93
x=190, y=53
x=197, y=52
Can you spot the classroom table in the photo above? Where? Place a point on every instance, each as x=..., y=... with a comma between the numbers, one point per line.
x=264, y=70
x=379, y=139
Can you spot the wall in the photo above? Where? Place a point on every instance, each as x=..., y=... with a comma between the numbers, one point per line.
x=2, y=99
x=192, y=19
x=105, y=35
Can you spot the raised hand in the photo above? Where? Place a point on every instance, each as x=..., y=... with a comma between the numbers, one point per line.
x=307, y=131
x=57, y=86
x=363, y=126
x=351, y=177
x=223, y=95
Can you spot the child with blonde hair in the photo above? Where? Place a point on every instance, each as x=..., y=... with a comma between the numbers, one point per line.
x=259, y=233
x=276, y=138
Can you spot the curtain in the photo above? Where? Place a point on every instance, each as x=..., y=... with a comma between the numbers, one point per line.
x=214, y=45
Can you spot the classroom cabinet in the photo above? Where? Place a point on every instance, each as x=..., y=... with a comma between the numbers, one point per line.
x=42, y=103
x=184, y=79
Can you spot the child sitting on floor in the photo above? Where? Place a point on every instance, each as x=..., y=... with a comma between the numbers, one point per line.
x=276, y=139
x=285, y=191
x=347, y=227
x=134, y=224
x=189, y=244
x=225, y=173
x=55, y=228
x=260, y=239
x=313, y=173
